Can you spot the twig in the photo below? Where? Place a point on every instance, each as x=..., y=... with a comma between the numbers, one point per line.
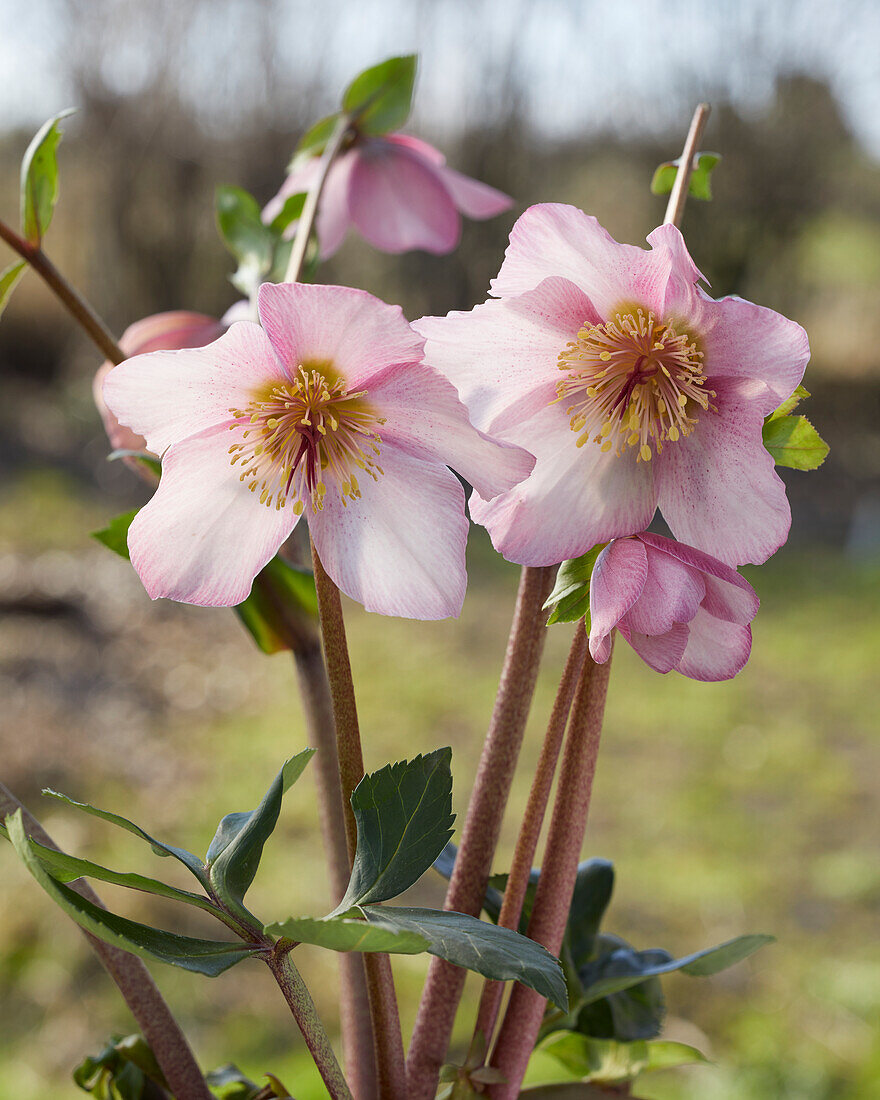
x=678, y=195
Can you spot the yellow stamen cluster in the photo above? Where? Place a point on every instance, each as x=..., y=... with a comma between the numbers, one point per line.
x=302, y=435
x=632, y=382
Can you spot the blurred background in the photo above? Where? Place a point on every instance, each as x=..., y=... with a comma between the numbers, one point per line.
x=749, y=806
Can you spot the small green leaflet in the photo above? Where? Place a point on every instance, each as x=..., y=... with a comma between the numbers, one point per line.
x=115, y=535
x=380, y=98
x=789, y=405
x=312, y=143
x=290, y=212
x=39, y=179
x=570, y=598
x=794, y=442
x=607, y=1062
x=9, y=280
x=699, y=185
x=241, y=227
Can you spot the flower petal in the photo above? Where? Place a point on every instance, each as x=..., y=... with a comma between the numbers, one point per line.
x=204, y=537
x=618, y=579
x=166, y=396
x=333, y=219
x=426, y=419
x=399, y=550
x=718, y=488
x=357, y=334
x=672, y=594
x=418, y=146
x=398, y=202
x=663, y=652
x=715, y=650
x=474, y=198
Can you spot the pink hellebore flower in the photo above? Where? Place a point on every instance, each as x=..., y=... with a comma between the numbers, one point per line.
x=399, y=193
x=326, y=410
x=631, y=386
x=677, y=607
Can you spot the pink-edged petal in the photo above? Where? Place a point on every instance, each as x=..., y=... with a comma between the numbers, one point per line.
x=501, y=351
x=357, y=334
x=425, y=418
x=472, y=197
x=715, y=650
x=574, y=497
x=600, y=647
x=166, y=396
x=399, y=550
x=683, y=272
x=663, y=652
x=555, y=239
x=618, y=579
x=672, y=594
x=242, y=310
x=728, y=595
x=418, y=146
x=718, y=487
x=204, y=537
x=398, y=202
x=333, y=219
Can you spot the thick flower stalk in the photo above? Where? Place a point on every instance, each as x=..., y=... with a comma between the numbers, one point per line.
x=633, y=388
x=677, y=607
x=326, y=411
x=396, y=190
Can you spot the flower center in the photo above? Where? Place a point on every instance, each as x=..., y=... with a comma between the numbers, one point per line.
x=302, y=435
x=632, y=382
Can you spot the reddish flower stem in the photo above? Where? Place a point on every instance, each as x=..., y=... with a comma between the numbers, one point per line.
x=482, y=825
x=525, y=1010
x=678, y=195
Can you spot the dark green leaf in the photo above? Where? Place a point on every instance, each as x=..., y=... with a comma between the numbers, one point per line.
x=789, y=405
x=209, y=957
x=9, y=281
x=380, y=98
x=444, y=864
x=312, y=143
x=496, y=953
x=115, y=534
x=404, y=819
x=592, y=893
x=39, y=179
x=280, y=594
x=345, y=934
x=699, y=185
x=252, y=243
x=499, y=883
x=290, y=212
x=795, y=443
x=235, y=851
x=570, y=598
x=632, y=1014
x=229, y=1083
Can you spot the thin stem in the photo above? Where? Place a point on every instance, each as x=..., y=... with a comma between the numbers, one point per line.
x=482, y=826
x=380, y=982
x=153, y=1016
x=530, y=830
x=525, y=1010
x=76, y=305
x=678, y=195
x=306, y=1015
x=310, y=207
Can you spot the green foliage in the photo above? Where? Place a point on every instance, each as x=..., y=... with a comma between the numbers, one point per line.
x=699, y=185
x=115, y=535
x=789, y=405
x=291, y=211
x=9, y=280
x=341, y=933
x=252, y=243
x=279, y=589
x=312, y=143
x=229, y=1083
x=570, y=598
x=794, y=442
x=126, y=1069
x=39, y=179
x=608, y=1063
x=380, y=98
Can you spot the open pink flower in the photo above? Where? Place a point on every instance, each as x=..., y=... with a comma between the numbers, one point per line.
x=677, y=607
x=326, y=411
x=398, y=191
x=632, y=387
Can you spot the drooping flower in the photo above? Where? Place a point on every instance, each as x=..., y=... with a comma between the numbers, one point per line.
x=632, y=387
x=399, y=193
x=677, y=607
x=326, y=411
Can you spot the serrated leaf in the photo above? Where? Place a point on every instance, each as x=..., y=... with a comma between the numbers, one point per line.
x=9, y=280
x=234, y=854
x=278, y=589
x=346, y=934
x=190, y=861
x=794, y=443
x=404, y=818
x=39, y=179
x=312, y=143
x=789, y=405
x=380, y=98
x=208, y=957
x=496, y=953
x=241, y=227
x=115, y=535
x=699, y=185
x=291, y=211
x=570, y=598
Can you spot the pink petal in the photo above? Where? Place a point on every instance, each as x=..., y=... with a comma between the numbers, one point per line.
x=302, y=178
x=426, y=419
x=166, y=396
x=574, y=497
x=398, y=201
x=718, y=488
x=416, y=145
x=715, y=650
x=333, y=219
x=204, y=537
x=618, y=579
x=672, y=594
x=399, y=550
x=242, y=310
x=683, y=272
x=664, y=652
x=355, y=333
x=472, y=197
x=501, y=351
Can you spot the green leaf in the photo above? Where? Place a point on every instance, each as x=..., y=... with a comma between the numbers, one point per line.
x=496, y=953
x=592, y=893
x=190, y=861
x=444, y=865
x=39, y=179
x=235, y=851
x=566, y=1090
x=252, y=243
x=312, y=143
x=143, y=457
x=209, y=957
x=229, y=1083
x=699, y=185
x=280, y=590
x=291, y=211
x=9, y=281
x=630, y=1014
x=795, y=443
x=789, y=405
x=570, y=598
x=404, y=818
x=115, y=534
x=598, y=1060
x=665, y=1054
x=380, y=98
x=344, y=934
